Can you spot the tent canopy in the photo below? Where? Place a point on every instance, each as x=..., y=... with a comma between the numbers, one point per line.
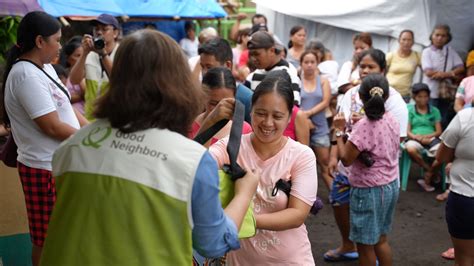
x=334, y=22
x=135, y=8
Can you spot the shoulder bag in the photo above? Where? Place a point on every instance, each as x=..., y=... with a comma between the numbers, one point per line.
x=447, y=88
x=9, y=153
x=232, y=171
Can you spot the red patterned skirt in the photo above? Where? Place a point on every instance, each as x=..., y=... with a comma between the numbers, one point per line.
x=40, y=194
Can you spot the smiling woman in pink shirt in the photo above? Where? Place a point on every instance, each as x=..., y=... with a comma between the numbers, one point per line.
x=281, y=238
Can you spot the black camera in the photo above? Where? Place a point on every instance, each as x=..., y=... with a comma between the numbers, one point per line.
x=366, y=158
x=99, y=43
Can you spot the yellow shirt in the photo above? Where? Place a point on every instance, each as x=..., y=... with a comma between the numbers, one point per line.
x=401, y=70
x=470, y=59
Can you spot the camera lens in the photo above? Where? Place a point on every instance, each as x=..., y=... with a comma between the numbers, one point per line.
x=99, y=43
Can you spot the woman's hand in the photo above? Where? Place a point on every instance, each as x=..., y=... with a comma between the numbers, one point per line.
x=332, y=166
x=355, y=117
x=339, y=121
x=87, y=44
x=441, y=75
x=307, y=116
x=223, y=110
x=425, y=140
x=247, y=185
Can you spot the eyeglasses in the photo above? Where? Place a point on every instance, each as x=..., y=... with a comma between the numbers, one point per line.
x=102, y=29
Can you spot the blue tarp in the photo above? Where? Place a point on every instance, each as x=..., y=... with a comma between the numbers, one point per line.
x=60, y=8
x=172, y=8
x=135, y=8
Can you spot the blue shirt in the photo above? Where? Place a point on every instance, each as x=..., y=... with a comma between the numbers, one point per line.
x=214, y=234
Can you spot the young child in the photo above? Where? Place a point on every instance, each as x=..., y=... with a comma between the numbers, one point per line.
x=424, y=126
x=372, y=150
x=190, y=43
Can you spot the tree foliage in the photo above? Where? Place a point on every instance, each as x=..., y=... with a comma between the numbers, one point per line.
x=8, y=28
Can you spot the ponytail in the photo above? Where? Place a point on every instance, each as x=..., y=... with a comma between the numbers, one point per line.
x=373, y=92
x=290, y=44
x=12, y=54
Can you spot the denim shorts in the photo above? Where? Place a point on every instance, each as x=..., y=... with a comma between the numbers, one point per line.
x=320, y=141
x=340, y=192
x=371, y=212
x=460, y=216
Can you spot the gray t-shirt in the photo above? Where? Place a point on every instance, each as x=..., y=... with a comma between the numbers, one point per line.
x=460, y=136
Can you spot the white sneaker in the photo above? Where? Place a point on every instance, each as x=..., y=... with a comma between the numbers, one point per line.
x=426, y=187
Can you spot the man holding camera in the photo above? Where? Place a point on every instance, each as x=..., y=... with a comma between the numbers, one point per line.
x=96, y=67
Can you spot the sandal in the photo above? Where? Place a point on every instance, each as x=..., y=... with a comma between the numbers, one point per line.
x=448, y=254
x=425, y=186
x=333, y=255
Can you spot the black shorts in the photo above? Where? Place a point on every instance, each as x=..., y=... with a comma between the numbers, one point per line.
x=460, y=216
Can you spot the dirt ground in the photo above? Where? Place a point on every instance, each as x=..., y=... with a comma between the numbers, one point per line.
x=418, y=236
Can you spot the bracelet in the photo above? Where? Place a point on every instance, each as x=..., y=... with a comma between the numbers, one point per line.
x=333, y=142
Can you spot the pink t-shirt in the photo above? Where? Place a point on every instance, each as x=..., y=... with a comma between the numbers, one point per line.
x=466, y=90
x=75, y=89
x=295, y=162
x=382, y=139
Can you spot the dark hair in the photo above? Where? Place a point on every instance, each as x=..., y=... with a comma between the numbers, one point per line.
x=377, y=55
x=150, y=88
x=219, y=77
x=374, y=104
x=442, y=27
x=259, y=16
x=219, y=48
x=33, y=24
x=189, y=25
x=60, y=70
x=258, y=27
x=419, y=87
x=293, y=31
x=276, y=81
x=408, y=31
x=364, y=37
x=241, y=34
x=68, y=49
x=281, y=49
x=307, y=52
x=317, y=46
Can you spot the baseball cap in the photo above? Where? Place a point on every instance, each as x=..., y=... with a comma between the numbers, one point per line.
x=261, y=39
x=419, y=87
x=106, y=19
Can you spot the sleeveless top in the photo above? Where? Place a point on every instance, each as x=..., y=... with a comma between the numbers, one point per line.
x=311, y=99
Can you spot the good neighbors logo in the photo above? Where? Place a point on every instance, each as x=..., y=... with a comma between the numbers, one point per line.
x=131, y=143
x=96, y=136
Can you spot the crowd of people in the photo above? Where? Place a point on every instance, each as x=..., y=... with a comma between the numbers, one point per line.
x=111, y=174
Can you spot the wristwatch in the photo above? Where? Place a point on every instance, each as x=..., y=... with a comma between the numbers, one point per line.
x=339, y=133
